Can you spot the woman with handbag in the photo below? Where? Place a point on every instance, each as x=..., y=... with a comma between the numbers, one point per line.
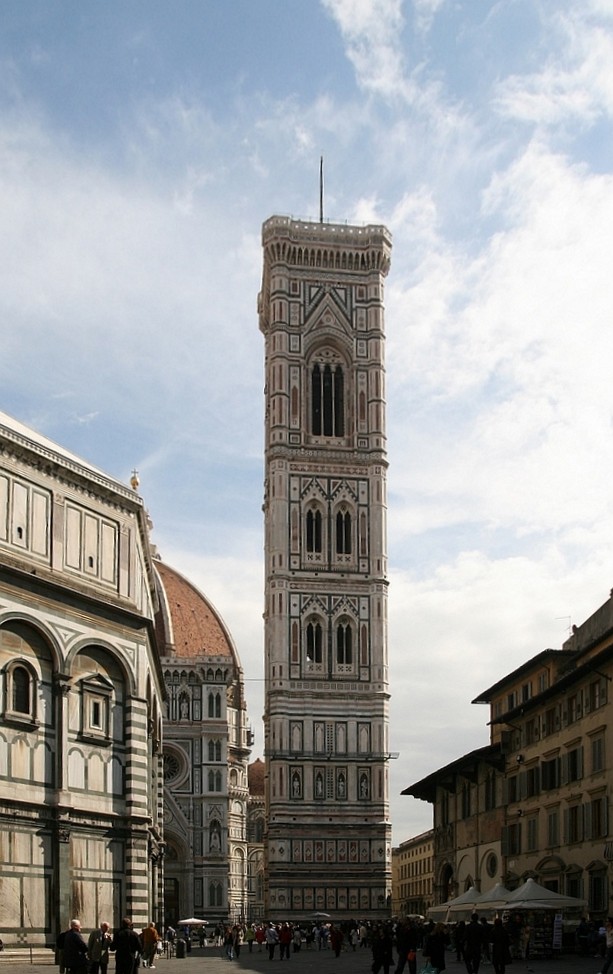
x=434, y=947
x=406, y=945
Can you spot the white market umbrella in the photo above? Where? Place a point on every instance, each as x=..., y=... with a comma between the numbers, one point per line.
x=465, y=901
x=460, y=903
x=494, y=898
x=192, y=922
x=532, y=892
x=439, y=912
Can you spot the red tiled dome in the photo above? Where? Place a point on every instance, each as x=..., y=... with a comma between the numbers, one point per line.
x=187, y=625
x=255, y=774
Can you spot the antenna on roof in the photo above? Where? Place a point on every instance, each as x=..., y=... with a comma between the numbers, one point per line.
x=321, y=189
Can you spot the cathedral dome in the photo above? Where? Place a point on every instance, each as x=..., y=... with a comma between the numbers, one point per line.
x=255, y=773
x=188, y=627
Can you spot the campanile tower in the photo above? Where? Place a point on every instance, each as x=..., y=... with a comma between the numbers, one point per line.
x=326, y=712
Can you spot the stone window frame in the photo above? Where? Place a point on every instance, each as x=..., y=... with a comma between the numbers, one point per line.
x=96, y=696
x=27, y=717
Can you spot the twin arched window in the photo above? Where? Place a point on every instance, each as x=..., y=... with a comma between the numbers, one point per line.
x=214, y=750
x=314, y=531
x=327, y=400
x=214, y=705
x=344, y=641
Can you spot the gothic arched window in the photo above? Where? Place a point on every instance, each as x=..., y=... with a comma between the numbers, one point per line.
x=314, y=642
x=214, y=705
x=344, y=648
x=313, y=530
x=327, y=400
x=343, y=533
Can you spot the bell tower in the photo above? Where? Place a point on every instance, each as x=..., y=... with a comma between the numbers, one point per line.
x=328, y=842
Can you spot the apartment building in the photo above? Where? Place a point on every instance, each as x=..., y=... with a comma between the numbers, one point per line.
x=535, y=801
x=413, y=875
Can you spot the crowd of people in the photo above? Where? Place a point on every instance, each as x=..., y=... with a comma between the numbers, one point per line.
x=75, y=955
x=394, y=946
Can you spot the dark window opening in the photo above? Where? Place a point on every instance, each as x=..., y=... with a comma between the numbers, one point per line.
x=313, y=636
x=96, y=714
x=328, y=401
x=344, y=649
x=21, y=690
x=313, y=531
x=343, y=534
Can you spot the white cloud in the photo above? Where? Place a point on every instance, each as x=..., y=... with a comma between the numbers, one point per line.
x=372, y=31
x=572, y=89
x=425, y=12
x=516, y=341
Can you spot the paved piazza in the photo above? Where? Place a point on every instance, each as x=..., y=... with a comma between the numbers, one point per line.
x=210, y=961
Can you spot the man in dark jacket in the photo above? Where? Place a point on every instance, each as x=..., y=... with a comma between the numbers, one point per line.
x=75, y=949
x=128, y=948
x=473, y=942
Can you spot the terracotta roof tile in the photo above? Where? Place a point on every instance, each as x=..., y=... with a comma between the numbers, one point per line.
x=255, y=774
x=196, y=629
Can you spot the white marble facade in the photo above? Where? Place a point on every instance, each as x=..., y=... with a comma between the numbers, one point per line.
x=321, y=311
x=80, y=696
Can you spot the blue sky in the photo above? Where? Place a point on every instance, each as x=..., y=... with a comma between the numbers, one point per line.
x=142, y=145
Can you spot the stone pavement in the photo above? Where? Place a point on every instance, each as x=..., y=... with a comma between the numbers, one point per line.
x=211, y=961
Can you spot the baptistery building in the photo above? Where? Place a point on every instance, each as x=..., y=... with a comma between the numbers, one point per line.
x=81, y=696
